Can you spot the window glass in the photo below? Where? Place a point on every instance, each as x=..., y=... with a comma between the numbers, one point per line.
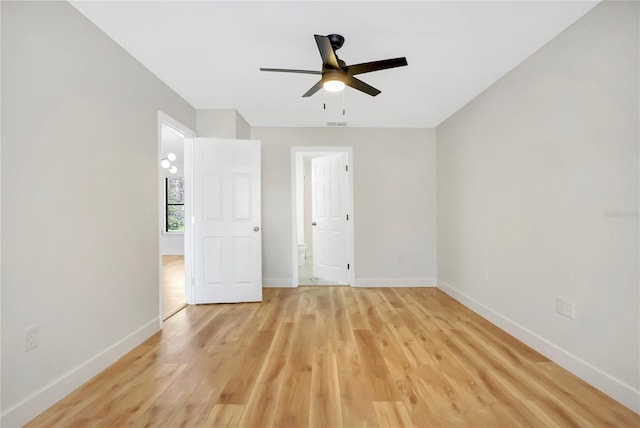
x=174, y=204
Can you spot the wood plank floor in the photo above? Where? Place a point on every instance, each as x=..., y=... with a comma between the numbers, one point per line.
x=172, y=285
x=335, y=357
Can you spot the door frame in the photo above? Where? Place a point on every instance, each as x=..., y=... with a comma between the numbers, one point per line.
x=165, y=119
x=348, y=150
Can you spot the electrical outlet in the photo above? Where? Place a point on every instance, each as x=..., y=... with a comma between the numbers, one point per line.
x=31, y=338
x=560, y=305
x=565, y=307
x=569, y=309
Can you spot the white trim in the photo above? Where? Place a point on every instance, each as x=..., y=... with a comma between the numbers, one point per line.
x=395, y=282
x=178, y=126
x=189, y=244
x=350, y=226
x=0, y=221
x=294, y=224
x=48, y=395
x=278, y=283
x=613, y=387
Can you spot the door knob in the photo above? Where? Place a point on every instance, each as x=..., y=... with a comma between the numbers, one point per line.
x=313, y=223
x=256, y=229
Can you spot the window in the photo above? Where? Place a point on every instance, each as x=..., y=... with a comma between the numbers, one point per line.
x=174, y=197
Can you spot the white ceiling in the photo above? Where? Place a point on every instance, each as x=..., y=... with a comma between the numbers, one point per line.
x=209, y=52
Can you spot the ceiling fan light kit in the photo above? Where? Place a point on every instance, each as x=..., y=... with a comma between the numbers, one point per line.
x=333, y=85
x=166, y=163
x=336, y=74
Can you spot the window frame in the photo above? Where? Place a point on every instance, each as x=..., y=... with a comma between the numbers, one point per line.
x=167, y=205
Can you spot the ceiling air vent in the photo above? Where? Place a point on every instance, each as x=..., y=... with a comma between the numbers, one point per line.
x=336, y=123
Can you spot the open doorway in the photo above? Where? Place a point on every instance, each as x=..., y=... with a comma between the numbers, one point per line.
x=173, y=288
x=172, y=218
x=323, y=216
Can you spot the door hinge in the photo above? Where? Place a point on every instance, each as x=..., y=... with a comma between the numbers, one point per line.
x=346, y=168
x=347, y=217
x=348, y=266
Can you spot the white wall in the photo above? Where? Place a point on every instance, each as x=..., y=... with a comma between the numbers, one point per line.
x=1, y=133
x=222, y=123
x=216, y=123
x=172, y=244
x=394, y=202
x=538, y=198
x=243, y=129
x=80, y=202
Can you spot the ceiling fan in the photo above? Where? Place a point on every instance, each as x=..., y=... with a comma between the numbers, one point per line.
x=336, y=73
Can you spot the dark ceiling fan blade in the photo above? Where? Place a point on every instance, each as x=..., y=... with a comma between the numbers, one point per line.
x=360, y=85
x=326, y=52
x=287, y=70
x=315, y=88
x=367, y=67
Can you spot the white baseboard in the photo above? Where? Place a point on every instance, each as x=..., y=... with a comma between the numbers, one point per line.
x=395, y=282
x=48, y=395
x=365, y=282
x=613, y=387
x=277, y=283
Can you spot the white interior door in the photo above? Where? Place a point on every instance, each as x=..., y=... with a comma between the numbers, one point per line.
x=226, y=212
x=330, y=215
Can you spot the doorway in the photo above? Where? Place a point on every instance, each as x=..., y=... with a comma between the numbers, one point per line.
x=172, y=220
x=322, y=216
x=171, y=196
x=173, y=288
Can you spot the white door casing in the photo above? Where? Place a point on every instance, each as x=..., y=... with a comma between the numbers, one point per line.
x=227, y=221
x=330, y=217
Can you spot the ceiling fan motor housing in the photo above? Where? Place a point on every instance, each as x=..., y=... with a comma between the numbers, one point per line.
x=333, y=75
x=336, y=41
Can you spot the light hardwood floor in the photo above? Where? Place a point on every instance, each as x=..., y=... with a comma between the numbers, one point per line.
x=306, y=277
x=335, y=357
x=172, y=285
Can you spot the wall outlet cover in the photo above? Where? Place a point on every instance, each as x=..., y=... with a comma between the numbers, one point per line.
x=560, y=305
x=31, y=338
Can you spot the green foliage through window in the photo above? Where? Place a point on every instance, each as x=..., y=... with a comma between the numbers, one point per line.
x=174, y=187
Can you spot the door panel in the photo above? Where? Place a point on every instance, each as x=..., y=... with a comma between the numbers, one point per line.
x=241, y=196
x=213, y=258
x=227, y=235
x=213, y=202
x=329, y=211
